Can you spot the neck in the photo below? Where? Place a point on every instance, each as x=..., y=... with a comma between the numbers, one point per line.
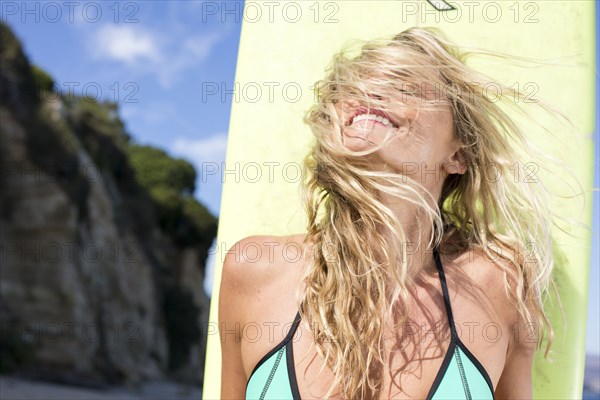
x=415, y=248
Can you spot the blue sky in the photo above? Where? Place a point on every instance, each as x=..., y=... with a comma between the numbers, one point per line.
x=165, y=51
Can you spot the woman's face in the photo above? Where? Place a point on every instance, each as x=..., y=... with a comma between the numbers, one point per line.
x=423, y=144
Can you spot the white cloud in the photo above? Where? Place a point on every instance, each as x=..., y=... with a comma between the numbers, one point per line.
x=126, y=43
x=208, y=149
x=165, y=55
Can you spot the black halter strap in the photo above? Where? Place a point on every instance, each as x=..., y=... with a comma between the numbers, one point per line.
x=440, y=269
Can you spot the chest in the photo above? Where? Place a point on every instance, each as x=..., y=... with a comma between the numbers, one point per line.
x=418, y=355
x=422, y=359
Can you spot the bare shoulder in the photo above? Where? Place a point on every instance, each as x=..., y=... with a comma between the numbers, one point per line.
x=255, y=265
x=245, y=292
x=499, y=278
x=258, y=280
x=488, y=275
x=496, y=277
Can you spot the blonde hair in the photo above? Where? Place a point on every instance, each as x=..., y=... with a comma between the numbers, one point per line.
x=350, y=289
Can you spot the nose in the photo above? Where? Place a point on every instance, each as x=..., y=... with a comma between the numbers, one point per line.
x=351, y=102
x=346, y=108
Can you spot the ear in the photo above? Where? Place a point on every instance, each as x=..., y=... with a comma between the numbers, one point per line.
x=456, y=163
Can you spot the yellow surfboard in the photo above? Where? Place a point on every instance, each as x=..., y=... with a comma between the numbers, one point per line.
x=285, y=47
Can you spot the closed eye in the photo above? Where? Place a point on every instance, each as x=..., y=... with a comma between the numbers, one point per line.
x=376, y=96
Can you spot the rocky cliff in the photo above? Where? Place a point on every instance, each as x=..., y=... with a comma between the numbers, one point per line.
x=101, y=267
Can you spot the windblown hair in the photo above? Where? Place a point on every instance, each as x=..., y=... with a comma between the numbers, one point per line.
x=358, y=275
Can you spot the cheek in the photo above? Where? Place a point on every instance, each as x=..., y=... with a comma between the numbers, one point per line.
x=423, y=149
x=413, y=155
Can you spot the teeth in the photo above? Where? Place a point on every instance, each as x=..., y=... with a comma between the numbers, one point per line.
x=374, y=117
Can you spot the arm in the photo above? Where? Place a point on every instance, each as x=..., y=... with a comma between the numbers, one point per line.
x=231, y=299
x=516, y=379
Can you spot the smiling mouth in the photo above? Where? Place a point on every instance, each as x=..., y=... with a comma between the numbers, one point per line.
x=361, y=114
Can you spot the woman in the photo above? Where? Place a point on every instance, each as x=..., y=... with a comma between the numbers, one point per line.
x=425, y=263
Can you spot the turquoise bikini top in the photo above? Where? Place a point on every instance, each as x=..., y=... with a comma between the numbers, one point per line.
x=461, y=375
